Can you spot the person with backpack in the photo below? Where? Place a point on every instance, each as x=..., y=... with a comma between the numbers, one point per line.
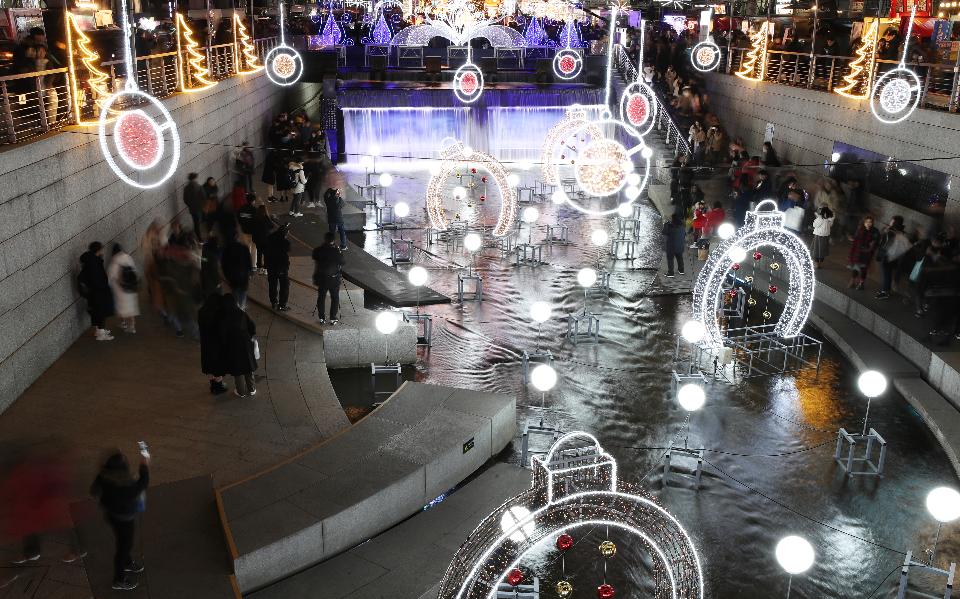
x=328, y=261
x=125, y=284
x=121, y=499
x=299, y=179
x=95, y=288
x=278, y=266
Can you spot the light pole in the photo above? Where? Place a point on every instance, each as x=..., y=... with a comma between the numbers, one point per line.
x=795, y=555
x=872, y=384
x=543, y=378
x=943, y=503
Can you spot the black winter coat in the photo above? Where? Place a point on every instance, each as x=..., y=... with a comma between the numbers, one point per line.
x=236, y=336
x=334, y=204
x=119, y=493
x=278, y=251
x=212, y=359
x=236, y=264
x=94, y=286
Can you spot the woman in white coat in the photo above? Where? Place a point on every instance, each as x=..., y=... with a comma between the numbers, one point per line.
x=125, y=284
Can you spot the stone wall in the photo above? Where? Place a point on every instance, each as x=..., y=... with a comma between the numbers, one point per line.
x=57, y=195
x=807, y=123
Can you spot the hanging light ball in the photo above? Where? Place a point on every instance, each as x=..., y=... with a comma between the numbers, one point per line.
x=752, y=302
x=515, y=577
x=564, y=542
x=736, y=266
x=774, y=266
x=772, y=289
x=564, y=589
x=605, y=591
x=767, y=314
x=757, y=255
x=608, y=549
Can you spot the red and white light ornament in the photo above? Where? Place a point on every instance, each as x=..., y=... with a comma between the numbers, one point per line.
x=284, y=64
x=468, y=83
x=567, y=64
x=638, y=107
x=705, y=56
x=896, y=94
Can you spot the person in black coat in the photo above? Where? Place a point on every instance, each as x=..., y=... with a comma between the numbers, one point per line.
x=236, y=337
x=260, y=229
x=278, y=266
x=328, y=260
x=236, y=266
x=95, y=288
x=210, y=266
x=211, y=348
x=121, y=498
x=334, y=204
x=675, y=245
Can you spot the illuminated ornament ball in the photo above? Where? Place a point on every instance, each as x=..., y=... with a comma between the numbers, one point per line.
x=134, y=143
x=564, y=589
x=138, y=139
x=567, y=64
x=638, y=107
x=895, y=95
x=705, y=56
x=284, y=65
x=468, y=83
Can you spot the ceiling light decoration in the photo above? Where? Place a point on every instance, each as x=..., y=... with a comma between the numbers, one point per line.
x=896, y=94
x=284, y=64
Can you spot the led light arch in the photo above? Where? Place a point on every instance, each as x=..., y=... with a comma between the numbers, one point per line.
x=705, y=56
x=453, y=157
x=284, y=64
x=761, y=228
x=567, y=64
x=599, y=499
x=896, y=94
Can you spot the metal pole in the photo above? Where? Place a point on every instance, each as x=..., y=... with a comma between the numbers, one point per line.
x=866, y=416
x=813, y=51
x=789, y=585
x=936, y=540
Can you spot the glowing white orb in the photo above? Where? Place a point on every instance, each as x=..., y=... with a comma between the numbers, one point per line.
x=726, y=231
x=543, y=377
x=625, y=210
x=691, y=397
x=459, y=192
x=632, y=192
x=599, y=237
x=513, y=179
x=872, y=383
x=540, y=311
x=603, y=167
x=511, y=520
x=633, y=179
x=693, y=331
x=586, y=277
x=943, y=503
x=530, y=214
x=467, y=212
x=402, y=209
x=434, y=169
x=737, y=253
x=646, y=152
x=795, y=554
x=386, y=180
x=558, y=196
x=387, y=322
x=472, y=242
x=835, y=157
x=417, y=276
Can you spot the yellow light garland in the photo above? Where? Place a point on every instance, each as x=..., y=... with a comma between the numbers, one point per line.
x=246, y=59
x=865, y=56
x=96, y=79
x=193, y=68
x=748, y=70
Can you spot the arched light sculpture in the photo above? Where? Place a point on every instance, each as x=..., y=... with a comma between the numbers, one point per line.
x=454, y=156
x=551, y=508
x=284, y=64
x=136, y=141
x=896, y=94
x=762, y=228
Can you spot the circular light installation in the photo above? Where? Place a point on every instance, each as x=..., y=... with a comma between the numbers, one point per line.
x=136, y=140
x=795, y=554
x=691, y=397
x=567, y=64
x=763, y=227
x=872, y=383
x=517, y=520
x=899, y=95
x=402, y=209
x=558, y=141
x=418, y=276
x=638, y=107
x=543, y=377
x=387, y=322
x=468, y=83
x=540, y=312
x=705, y=56
x=284, y=65
x=943, y=503
x=454, y=156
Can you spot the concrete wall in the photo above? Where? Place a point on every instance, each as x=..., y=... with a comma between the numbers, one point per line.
x=808, y=122
x=57, y=195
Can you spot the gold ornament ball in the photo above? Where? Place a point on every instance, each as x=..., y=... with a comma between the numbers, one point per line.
x=775, y=266
x=608, y=549
x=766, y=314
x=564, y=588
x=749, y=279
x=752, y=302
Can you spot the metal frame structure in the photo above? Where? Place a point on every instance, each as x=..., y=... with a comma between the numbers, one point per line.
x=860, y=466
x=908, y=562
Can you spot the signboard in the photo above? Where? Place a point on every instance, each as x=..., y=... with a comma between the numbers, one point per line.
x=468, y=445
x=902, y=8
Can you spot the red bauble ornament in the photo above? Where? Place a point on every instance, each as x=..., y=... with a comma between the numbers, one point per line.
x=638, y=107
x=757, y=255
x=474, y=171
x=137, y=138
x=567, y=64
x=562, y=156
x=736, y=266
x=483, y=179
x=564, y=542
x=515, y=577
x=483, y=198
x=772, y=289
x=469, y=83
x=605, y=591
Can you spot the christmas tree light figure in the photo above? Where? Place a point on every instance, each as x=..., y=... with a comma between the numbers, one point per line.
x=381, y=33
x=331, y=34
x=856, y=79
x=79, y=44
x=193, y=70
x=535, y=34
x=244, y=52
x=570, y=35
x=754, y=67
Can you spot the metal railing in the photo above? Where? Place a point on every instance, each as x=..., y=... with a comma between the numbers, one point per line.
x=939, y=81
x=32, y=104
x=665, y=124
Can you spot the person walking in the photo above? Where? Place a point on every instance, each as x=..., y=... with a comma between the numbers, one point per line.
x=125, y=284
x=95, y=288
x=236, y=266
x=212, y=362
x=334, y=205
x=237, y=332
x=244, y=163
x=674, y=247
x=892, y=246
x=861, y=252
x=299, y=180
x=822, y=223
x=122, y=498
x=328, y=262
x=278, y=267
x=194, y=198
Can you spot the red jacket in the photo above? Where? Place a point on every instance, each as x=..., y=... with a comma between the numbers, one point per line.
x=699, y=219
x=714, y=218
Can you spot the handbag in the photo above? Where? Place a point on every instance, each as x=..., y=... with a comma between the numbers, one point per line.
x=915, y=271
x=256, y=349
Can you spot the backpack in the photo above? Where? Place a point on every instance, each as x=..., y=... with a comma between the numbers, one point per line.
x=129, y=281
x=285, y=179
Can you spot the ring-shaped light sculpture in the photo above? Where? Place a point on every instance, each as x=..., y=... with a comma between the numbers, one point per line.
x=557, y=137
x=567, y=63
x=895, y=96
x=551, y=508
x=453, y=157
x=638, y=107
x=761, y=228
x=468, y=83
x=283, y=64
x=705, y=56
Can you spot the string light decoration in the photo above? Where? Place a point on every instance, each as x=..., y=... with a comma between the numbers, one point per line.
x=284, y=64
x=136, y=143
x=856, y=79
x=705, y=56
x=331, y=34
x=535, y=35
x=454, y=156
x=461, y=21
x=575, y=486
x=899, y=88
x=638, y=105
x=763, y=227
x=554, y=10
x=468, y=82
x=193, y=67
x=567, y=63
x=380, y=33
x=570, y=36
x=603, y=166
x=558, y=140
x=78, y=45
x=244, y=51
x=755, y=64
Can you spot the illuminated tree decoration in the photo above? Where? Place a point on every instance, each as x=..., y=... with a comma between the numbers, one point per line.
x=468, y=83
x=535, y=34
x=570, y=36
x=567, y=63
x=380, y=33
x=78, y=45
x=193, y=68
x=247, y=60
x=575, y=488
x=856, y=79
x=454, y=157
x=763, y=227
x=897, y=93
x=135, y=144
x=754, y=66
x=283, y=63
x=705, y=56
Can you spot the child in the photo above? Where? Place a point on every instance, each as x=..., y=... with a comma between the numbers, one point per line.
x=822, y=224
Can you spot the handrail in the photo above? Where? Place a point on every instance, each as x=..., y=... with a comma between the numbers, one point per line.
x=33, y=74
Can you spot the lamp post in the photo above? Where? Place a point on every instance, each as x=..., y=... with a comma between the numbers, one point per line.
x=418, y=278
x=795, y=555
x=599, y=238
x=540, y=312
x=386, y=323
x=530, y=215
x=586, y=278
x=472, y=243
x=543, y=378
x=401, y=211
x=872, y=384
